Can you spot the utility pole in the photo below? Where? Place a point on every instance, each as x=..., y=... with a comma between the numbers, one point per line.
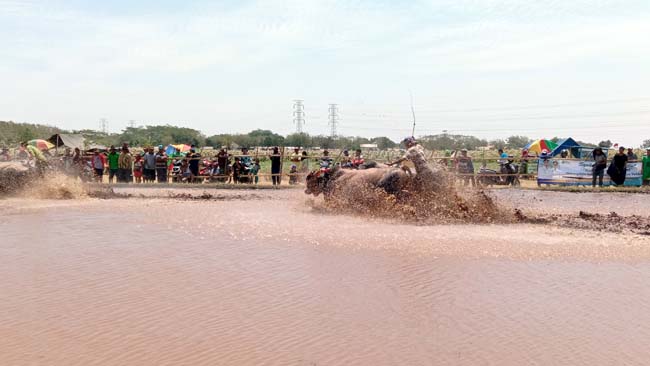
x=298, y=115
x=333, y=119
x=103, y=125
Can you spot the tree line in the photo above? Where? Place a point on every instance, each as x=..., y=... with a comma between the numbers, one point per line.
x=12, y=133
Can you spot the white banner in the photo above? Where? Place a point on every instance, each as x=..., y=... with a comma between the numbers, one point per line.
x=578, y=172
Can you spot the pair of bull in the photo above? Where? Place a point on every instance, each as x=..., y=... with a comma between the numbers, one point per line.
x=394, y=181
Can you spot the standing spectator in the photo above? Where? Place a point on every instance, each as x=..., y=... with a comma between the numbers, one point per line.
x=138, y=168
x=631, y=156
x=295, y=157
x=194, y=160
x=237, y=168
x=161, y=165
x=149, y=173
x=618, y=167
x=465, y=168
x=99, y=164
x=523, y=168
x=276, y=166
x=245, y=159
x=222, y=161
x=598, y=169
x=255, y=170
x=125, y=164
x=564, y=154
x=304, y=162
x=646, y=167
x=113, y=166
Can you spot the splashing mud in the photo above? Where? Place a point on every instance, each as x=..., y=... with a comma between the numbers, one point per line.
x=450, y=206
x=53, y=186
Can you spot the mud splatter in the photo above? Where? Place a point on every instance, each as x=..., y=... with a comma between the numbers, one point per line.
x=611, y=222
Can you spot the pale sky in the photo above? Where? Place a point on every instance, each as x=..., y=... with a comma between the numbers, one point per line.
x=489, y=68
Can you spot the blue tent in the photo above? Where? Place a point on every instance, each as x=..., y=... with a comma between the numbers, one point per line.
x=567, y=144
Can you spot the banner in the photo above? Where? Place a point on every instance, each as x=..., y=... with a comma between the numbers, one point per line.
x=579, y=173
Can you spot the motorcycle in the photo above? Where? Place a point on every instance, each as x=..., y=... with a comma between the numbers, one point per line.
x=508, y=174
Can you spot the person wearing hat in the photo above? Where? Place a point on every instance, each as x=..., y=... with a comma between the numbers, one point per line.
x=646, y=167
x=465, y=168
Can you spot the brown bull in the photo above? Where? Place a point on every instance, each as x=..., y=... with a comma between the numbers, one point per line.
x=351, y=182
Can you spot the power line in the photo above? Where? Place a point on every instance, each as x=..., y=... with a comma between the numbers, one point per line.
x=533, y=106
x=333, y=119
x=298, y=115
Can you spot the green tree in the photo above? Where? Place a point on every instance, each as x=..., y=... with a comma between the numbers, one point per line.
x=517, y=142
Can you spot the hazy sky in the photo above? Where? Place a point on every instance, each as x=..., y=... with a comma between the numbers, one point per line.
x=489, y=68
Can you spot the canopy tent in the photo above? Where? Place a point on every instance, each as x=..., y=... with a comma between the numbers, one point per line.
x=566, y=144
x=182, y=147
x=68, y=140
x=41, y=144
x=538, y=146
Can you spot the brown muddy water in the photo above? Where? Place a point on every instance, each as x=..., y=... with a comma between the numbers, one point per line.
x=273, y=281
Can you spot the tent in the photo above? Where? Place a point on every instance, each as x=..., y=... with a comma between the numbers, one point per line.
x=566, y=144
x=68, y=140
x=538, y=146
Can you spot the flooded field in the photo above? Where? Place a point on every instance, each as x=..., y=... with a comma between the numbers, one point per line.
x=266, y=277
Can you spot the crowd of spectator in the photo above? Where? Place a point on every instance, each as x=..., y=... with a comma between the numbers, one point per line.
x=150, y=165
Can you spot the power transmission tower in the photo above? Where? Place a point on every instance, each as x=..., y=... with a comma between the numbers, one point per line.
x=298, y=115
x=333, y=119
x=132, y=123
x=103, y=125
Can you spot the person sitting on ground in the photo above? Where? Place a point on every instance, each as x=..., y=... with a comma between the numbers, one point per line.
x=4, y=156
x=631, y=156
x=138, y=168
x=99, y=164
x=293, y=174
x=646, y=167
x=599, y=166
x=618, y=167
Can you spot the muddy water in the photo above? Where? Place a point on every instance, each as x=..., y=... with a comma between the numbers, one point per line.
x=271, y=281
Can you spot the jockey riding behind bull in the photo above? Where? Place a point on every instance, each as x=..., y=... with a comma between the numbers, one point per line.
x=427, y=178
